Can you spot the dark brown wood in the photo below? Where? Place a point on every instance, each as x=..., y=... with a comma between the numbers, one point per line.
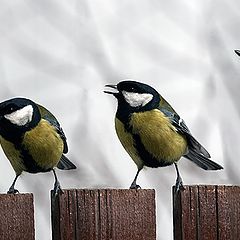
x=207, y=213
x=229, y=212
x=103, y=214
x=16, y=217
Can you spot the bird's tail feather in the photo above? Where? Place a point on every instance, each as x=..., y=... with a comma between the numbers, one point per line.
x=202, y=161
x=65, y=164
x=196, y=146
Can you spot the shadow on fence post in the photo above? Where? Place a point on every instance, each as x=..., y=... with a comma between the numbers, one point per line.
x=117, y=214
x=17, y=217
x=207, y=212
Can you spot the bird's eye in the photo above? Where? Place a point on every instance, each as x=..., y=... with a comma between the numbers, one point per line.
x=132, y=89
x=11, y=109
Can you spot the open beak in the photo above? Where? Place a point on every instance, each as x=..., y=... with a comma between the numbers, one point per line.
x=115, y=91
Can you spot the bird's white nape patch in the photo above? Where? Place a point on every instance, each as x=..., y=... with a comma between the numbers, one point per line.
x=21, y=116
x=137, y=99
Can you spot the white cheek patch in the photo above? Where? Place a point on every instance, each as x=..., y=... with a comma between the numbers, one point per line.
x=21, y=116
x=137, y=99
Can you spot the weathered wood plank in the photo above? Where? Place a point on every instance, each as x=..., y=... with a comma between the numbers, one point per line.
x=207, y=213
x=104, y=214
x=229, y=212
x=17, y=217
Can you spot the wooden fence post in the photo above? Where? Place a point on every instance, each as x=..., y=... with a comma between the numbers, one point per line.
x=17, y=217
x=104, y=214
x=207, y=213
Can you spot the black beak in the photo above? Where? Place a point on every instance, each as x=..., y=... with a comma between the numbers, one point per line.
x=114, y=93
x=237, y=52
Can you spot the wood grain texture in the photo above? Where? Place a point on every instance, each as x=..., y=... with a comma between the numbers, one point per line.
x=104, y=214
x=17, y=217
x=207, y=213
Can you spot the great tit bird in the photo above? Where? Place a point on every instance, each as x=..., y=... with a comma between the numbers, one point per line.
x=152, y=132
x=32, y=139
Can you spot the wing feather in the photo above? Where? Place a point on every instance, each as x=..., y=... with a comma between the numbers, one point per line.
x=181, y=127
x=48, y=116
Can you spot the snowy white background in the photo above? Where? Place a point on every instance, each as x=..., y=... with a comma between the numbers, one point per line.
x=61, y=54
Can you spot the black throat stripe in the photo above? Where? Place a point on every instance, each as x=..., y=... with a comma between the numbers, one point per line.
x=146, y=157
x=29, y=163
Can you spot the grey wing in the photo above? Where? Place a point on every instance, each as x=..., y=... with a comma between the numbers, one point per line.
x=181, y=127
x=45, y=114
x=60, y=132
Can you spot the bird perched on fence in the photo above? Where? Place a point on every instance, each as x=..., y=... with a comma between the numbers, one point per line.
x=151, y=131
x=32, y=139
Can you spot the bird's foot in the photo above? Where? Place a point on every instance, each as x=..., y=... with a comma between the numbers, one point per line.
x=12, y=191
x=179, y=185
x=57, y=189
x=135, y=186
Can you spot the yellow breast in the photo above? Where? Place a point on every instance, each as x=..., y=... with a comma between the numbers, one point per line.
x=44, y=144
x=158, y=135
x=13, y=155
x=127, y=141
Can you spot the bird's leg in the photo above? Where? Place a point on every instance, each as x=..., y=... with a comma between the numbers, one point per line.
x=179, y=182
x=57, y=188
x=134, y=183
x=12, y=190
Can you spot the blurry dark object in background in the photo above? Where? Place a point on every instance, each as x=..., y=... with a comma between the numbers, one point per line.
x=237, y=52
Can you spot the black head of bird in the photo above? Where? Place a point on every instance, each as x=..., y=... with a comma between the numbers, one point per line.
x=32, y=139
x=17, y=116
x=152, y=132
x=134, y=96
